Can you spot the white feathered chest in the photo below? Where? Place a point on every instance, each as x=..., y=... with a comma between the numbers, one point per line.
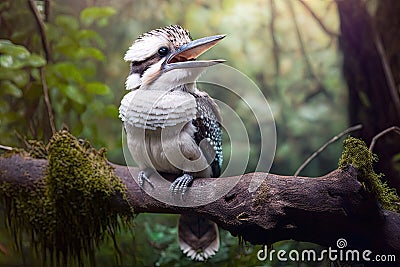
x=151, y=109
x=160, y=131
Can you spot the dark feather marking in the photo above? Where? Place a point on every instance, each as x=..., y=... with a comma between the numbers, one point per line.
x=140, y=67
x=209, y=128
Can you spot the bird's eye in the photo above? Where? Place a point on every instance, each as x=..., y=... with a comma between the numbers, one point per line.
x=163, y=51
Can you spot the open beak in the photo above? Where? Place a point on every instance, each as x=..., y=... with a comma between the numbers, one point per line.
x=186, y=55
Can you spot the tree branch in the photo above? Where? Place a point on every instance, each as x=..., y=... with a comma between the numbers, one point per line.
x=310, y=72
x=47, y=100
x=40, y=23
x=322, y=148
x=395, y=129
x=275, y=45
x=318, y=20
x=46, y=49
x=319, y=210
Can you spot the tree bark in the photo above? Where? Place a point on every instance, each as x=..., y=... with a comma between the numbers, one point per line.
x=371, y=49
x=319, y=210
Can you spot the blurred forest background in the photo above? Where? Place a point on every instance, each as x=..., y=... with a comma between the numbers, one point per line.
x=322, y=65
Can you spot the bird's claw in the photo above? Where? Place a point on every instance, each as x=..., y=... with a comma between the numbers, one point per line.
x=143, y=177
x=181, y=184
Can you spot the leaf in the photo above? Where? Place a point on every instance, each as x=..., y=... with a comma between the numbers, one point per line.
x=95, y=14
x=89, y=35
x=90, y=52
x=102, y=22
x=8, y=74
x=66, y=46
x=68, y=71
x=8, y=48
x=17, y=56
x=9, y=62
x=97, y=88
x=35, y=74
x=73, y=93
x=20, y=78
x=68, y=23
x=7, y=87
x=36, y=61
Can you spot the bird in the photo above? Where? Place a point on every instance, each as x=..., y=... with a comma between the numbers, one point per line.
x=171, y=125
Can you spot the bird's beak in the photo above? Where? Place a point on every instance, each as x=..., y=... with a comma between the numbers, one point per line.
x=186, y=55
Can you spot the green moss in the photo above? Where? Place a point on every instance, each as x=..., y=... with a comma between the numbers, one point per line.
x=14, y=151
x=33, y=148
x=36, y=149
x=356, y=153
x=68, y=213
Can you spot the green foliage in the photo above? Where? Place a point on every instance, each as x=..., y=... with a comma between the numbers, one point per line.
x=99, y=15
x=69, y=213
x=16, y=64
x=16, y=57
x=356, y=153
x=69, y=76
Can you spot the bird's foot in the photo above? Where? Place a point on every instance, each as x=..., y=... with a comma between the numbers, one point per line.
x=143, y=177
x=181, y=184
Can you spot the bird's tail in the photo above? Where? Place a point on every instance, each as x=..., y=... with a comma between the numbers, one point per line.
x=198, y=237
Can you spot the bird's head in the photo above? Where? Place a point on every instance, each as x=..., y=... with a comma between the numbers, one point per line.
x=165, y=58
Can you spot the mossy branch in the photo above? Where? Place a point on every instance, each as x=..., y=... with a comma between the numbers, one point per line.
x=64, y=201
x=340, y=204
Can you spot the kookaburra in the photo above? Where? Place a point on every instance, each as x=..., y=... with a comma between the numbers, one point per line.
x=172, y=126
